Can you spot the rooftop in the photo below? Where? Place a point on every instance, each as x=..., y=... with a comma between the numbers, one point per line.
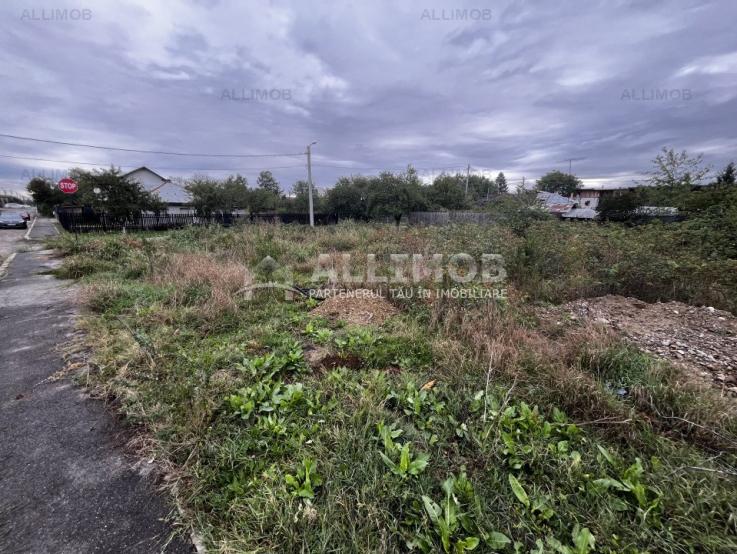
x=169, y=191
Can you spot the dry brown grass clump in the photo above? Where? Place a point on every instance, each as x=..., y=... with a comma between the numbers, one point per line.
x=221, y=280
x=359, y=307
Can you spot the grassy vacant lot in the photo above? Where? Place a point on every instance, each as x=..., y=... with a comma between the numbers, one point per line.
x=454, y=425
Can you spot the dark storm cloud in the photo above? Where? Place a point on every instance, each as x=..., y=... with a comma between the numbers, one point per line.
x=378, y=84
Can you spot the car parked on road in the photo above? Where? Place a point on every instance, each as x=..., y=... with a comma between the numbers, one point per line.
x=12, y=220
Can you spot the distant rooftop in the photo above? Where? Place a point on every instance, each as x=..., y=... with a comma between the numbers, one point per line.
x=608, y=186
x=169, y=191
x=581, y=213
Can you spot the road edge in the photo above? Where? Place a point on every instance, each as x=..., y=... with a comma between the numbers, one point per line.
x=6, y=264
x=27, y=236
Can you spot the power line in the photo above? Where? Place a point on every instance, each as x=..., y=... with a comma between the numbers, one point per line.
x=385, y=167
x=381, y=168
x=47, y=141
x=73, y=162
x=76, y=162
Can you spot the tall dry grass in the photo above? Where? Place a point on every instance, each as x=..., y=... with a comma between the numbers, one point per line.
x=563, y=370
x=218, y=280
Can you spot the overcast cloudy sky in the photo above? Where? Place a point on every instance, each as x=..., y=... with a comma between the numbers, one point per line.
x=504, y=86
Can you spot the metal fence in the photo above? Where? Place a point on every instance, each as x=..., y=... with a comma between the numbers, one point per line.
x=75, y=221
x=446, y=218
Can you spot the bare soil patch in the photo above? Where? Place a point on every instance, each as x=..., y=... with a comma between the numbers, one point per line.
x=701, y=340
x=358, y=309
x=336, y=360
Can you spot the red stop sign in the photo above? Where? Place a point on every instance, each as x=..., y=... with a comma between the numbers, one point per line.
x=68, y=186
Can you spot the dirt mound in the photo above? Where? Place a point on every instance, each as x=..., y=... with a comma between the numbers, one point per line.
x=702, y=340
x=361, y=307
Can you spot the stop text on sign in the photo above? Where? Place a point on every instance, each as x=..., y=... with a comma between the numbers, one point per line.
x=68, y=186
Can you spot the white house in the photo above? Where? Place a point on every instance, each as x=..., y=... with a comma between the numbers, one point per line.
x=174, y=195
x=588, y=195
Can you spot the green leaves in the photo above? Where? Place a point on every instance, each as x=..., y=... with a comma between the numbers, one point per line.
x=630, y=485
x=287, y=358
x=422, y=405
x=446, y=522
x=607, y=456
x=523, y=427
x=583, y=542
x=306, y=480
x=497, y=541
x=407, y=464
x=454, y=521
x=538, y=507
x=519, y=491
x=321, y=335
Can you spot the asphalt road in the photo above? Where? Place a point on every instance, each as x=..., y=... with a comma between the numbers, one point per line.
x=66, y=482
x=10, y=238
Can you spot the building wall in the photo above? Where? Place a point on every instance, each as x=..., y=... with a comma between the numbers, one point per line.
x=155, y=184
x=587, y=198
x=148, y=180
x=174, y=209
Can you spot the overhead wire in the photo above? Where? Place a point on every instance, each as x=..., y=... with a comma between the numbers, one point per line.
x=160, y=152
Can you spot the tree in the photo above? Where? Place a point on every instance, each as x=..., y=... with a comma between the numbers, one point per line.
x=207, y=195
x=557, y=181
x=518, y=211
x=447, y=192
x=620, y=206
x=727, y=176
x=479, y=186
x=263, y=200
x=501, y=183
x=109, y=191
x=674, y=169
x=267, y=182
x=301, y=200
x=348, y=199
x=45, y=195
x=395, y=195
x=235, y=192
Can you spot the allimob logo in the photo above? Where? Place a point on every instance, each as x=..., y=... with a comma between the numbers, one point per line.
x=56, y=14
x=656, y=95
x=414, y=268
x=256, y=94
x=456, y=14
x=43, y=173
x=411, y=272
x=273, y=277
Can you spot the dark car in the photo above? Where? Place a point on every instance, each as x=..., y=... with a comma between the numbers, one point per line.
x=12, y=220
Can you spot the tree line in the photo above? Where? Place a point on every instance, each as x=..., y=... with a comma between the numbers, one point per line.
x=389, y=195
x=386, y=196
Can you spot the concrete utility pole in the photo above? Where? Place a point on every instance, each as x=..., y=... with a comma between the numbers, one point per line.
x=468, y=171
x=309, y=182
